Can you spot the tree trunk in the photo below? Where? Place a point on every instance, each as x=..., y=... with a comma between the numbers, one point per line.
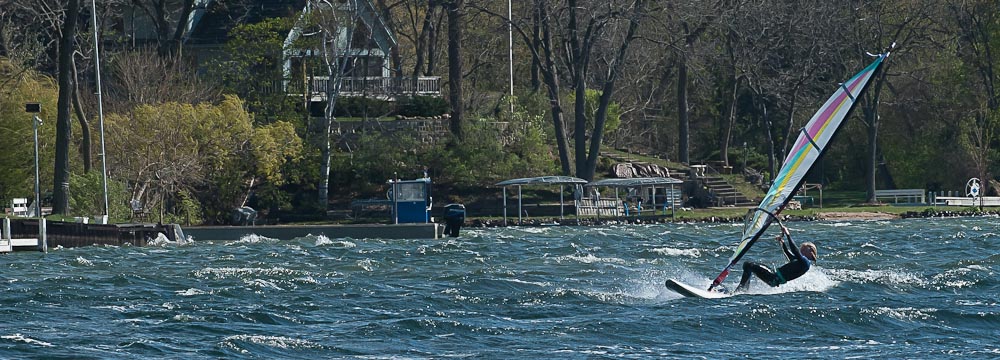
x=872, y=156
x=326, y=152
x=683, y=123
x=872, y=123
x=536, y=19
x=335, y=70
x=432, y=43
x=182, y=21
x=455, y=67
x=770, y=142
x=422, y=45
x=578, y=65
x=580, y=125
x=790, y=129
x=60, y=186
x=729, y=121
x=550, y=75
x=86, y=140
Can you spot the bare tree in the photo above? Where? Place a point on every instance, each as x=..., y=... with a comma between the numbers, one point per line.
x=688, y=20
x=909, y=25
x=780, y=50
x=335, y=25
x=141, y=77
x=570, y=41
x=169, y=22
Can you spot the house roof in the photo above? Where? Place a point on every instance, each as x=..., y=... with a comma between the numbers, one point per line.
x=221, y=16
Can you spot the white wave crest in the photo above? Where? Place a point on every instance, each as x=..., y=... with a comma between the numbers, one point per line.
x=190, y=292
x=162, y=240
x=228, y=272
x=80, y=260
x=893, y=277
x=677, y=252
x=253, y=239
x=816, y=280
x=279, y=342
x=905, y=313
x=590, y=259
x=322, y=240
x=26, y=340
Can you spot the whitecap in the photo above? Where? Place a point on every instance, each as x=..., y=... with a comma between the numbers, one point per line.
x=836, y=224
x=187, y=318
x=83, y=261
x=340, y=243
x=264, y=284
x=190, y=292
x=894, y=277
x=162, y=240
x=816, y=280
x=26, y=340
x=677, y=252
x=227, y=272
x=590, y=259
x=280, y=342
x=367, y=265
x=904, y=313
x=536, y=283
x=253, y=239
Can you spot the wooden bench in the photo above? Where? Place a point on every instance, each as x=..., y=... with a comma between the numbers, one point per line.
x=804, y=199
x=590, y=207
x=911, y=196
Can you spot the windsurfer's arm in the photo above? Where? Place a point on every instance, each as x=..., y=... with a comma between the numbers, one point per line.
x=790, y=250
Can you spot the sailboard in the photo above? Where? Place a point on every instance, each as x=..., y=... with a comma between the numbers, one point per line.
x=691, y=291
x=812, y=141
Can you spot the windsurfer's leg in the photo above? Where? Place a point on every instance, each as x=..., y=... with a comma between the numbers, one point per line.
x=763, y=272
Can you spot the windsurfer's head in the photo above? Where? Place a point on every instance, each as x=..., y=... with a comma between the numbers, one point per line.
x=809, y=250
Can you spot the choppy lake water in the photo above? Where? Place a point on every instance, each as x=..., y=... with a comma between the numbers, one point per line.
x=920, y=288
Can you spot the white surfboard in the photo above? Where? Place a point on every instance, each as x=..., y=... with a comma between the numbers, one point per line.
x=691, y=291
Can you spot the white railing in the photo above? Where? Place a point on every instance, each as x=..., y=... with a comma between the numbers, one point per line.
x=370, y=85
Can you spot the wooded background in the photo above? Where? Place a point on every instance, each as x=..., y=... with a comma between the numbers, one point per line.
x=727, y=82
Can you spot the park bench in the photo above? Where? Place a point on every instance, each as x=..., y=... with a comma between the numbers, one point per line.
x=911, y=196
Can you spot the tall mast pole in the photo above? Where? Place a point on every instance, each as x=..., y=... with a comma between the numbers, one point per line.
x=510, y=53
x=100, y=111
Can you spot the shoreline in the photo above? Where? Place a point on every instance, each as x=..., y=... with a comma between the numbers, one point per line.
x=833, y=216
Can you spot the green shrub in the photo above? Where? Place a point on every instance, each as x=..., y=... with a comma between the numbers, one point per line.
x=361, y=106
x=87, y=197
x=422, y=106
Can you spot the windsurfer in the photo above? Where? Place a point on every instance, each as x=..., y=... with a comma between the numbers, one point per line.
x=800, y=259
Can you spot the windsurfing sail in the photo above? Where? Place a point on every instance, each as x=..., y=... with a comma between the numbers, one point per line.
x=810, y=145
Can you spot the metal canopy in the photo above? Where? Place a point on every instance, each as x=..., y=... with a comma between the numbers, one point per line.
x=635, y=182
x=619, y=183
x=541, y=180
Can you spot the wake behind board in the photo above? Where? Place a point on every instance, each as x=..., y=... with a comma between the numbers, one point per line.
x=691, y=291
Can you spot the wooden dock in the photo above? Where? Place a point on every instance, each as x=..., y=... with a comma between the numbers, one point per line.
x=39, y=234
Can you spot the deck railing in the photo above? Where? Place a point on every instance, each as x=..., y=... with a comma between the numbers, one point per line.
x=377, y=86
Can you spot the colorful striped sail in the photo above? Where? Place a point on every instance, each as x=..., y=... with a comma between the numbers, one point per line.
x=812, y=141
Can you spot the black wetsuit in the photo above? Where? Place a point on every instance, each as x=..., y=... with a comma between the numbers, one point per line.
x=797, y=265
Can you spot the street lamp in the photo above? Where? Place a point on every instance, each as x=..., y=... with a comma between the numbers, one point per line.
x=35, y=108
